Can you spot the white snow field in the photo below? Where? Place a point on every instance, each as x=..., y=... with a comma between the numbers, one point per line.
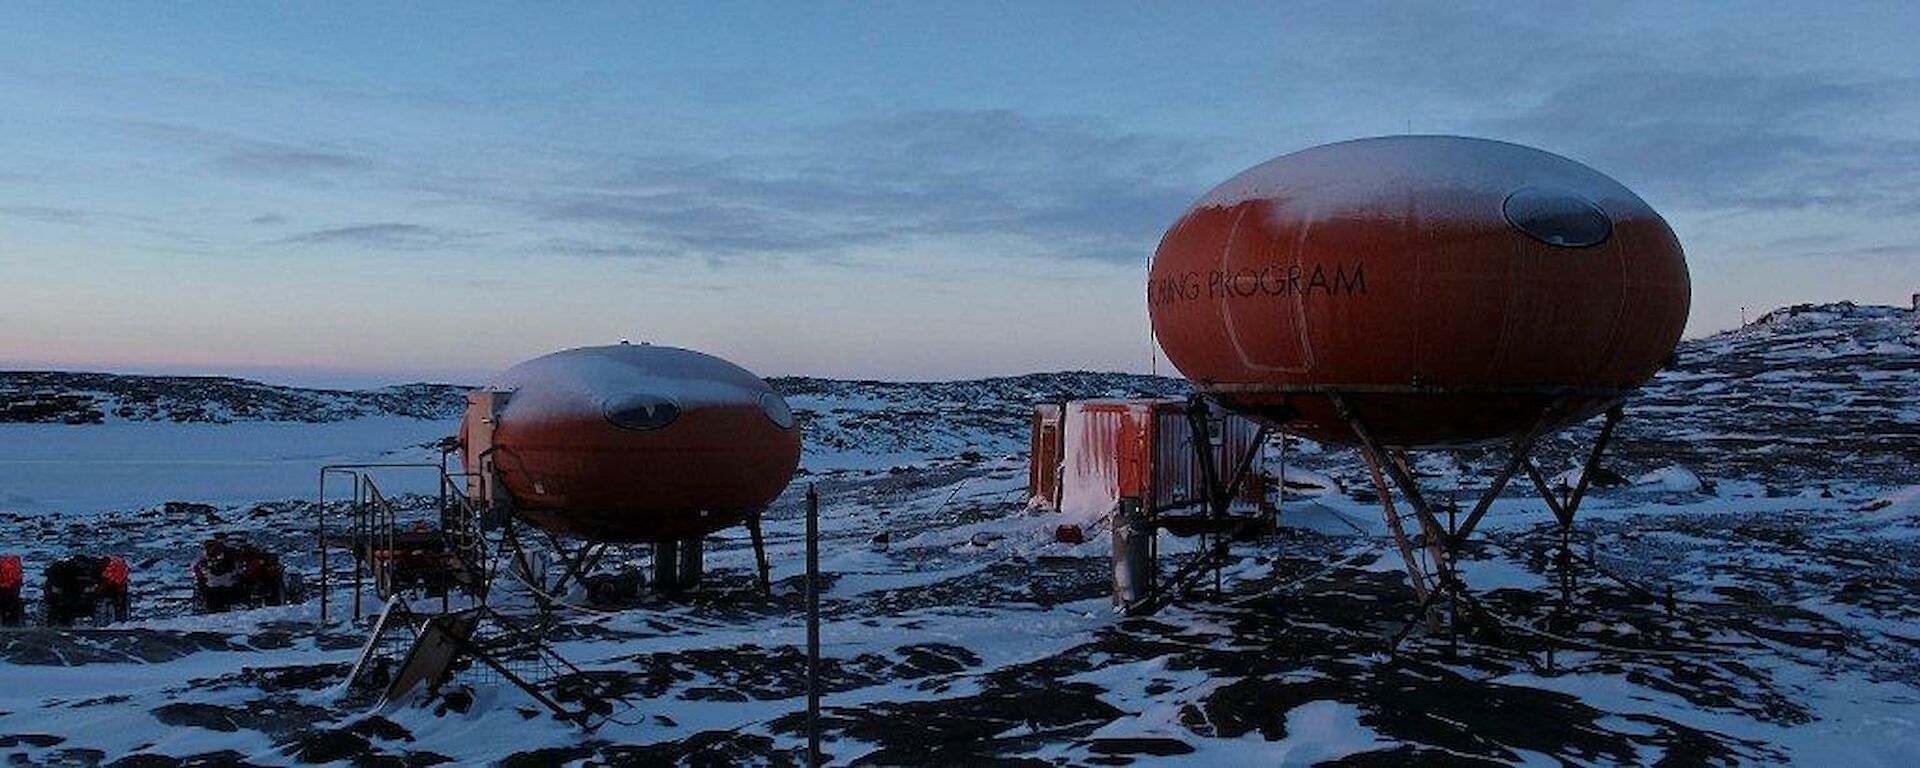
x=83, y=468
x=1767, y=484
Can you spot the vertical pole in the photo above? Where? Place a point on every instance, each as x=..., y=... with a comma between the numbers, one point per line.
x=1572, y=503
x=692, y=560
x=1060, y=457
x=813, y=627
x=320, y=529
x=1453, y=600
x=760, y=554
x=1453, y=610
x=1199, y=429
x=359, y=545
x=1565, y=556
x=666, y=566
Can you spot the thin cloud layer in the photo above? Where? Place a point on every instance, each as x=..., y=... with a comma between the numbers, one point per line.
x=1739, y=141
x=227, y=153
x=1058, y=188
x=384, y=235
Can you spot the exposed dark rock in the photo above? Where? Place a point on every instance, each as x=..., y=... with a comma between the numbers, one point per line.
x=309, y=677
x=278, y=718
x=69, y=647
x=221, y=759
x=329, y=745
x=377, y=727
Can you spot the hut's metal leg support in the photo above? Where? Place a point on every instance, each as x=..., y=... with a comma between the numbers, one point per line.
x=1520, y=456
x=1431, y=531
x=1565, y=506
x=1419, y=612
x=1209, y=476
x=693, y=561
x=1220, y=495
x=1379, y=458
x=579, y=563
x=520, y=562
x=1417, y=574
x=1443, y=541
x=764, y=570
x=1377, y=453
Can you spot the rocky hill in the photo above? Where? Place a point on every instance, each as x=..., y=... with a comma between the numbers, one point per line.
x=891, y=421
x=91, y=398
x=1804, y=393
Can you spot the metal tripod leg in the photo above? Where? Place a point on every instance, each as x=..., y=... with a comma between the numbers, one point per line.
x=1378, y=457
x=1443, y=541
x=579, y=563
x=1419, y=614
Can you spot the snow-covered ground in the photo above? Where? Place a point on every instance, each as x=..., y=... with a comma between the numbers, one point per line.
x=69, y=469
x=1792, y=633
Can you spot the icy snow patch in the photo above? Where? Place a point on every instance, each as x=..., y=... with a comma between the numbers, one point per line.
x=1318, y=731
x=1672, y=478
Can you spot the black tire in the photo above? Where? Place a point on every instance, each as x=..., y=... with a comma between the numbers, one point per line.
x=10, y=610
x=216, y=599
x=276, y=592
x=380, y=675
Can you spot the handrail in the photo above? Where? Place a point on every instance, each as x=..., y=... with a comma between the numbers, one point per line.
x=374, y=520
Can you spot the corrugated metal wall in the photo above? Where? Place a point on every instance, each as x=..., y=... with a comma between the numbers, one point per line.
x=1108, y=449
x=1178, y=479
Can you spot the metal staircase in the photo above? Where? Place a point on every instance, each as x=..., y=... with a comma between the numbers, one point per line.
x=434, y=545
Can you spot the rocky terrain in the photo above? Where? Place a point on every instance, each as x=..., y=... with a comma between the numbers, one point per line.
x=48, y=397
x=1746, y=595
x=1804, y=393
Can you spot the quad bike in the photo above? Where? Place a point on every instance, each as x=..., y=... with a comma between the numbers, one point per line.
x=86, y=587
x=12, y=576
x=232, y=572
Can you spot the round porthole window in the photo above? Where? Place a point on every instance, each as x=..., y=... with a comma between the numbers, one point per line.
x=643, y=412
x=1558, y=218
x=775, y=407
